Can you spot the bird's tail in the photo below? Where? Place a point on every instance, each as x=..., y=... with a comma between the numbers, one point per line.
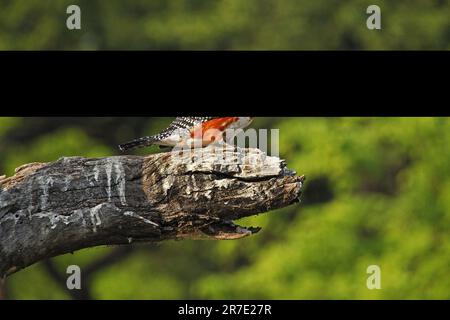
x=137, y=143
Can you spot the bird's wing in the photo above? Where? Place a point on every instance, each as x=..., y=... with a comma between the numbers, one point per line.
x=188, y=122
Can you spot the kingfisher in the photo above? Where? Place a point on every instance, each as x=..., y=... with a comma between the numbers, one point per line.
x=189, y=130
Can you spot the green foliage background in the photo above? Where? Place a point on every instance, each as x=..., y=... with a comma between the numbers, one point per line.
x=377, y=192
x=224, y=24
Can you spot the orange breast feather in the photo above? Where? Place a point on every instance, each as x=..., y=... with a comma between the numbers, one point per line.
x=212, y=130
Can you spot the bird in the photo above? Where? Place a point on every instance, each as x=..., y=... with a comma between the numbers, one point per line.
x=189, y=130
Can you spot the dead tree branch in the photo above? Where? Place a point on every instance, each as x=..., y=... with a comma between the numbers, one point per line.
x=48, y=209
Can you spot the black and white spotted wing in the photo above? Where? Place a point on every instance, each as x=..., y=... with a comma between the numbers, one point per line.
x=187, y=122
x=178, y=129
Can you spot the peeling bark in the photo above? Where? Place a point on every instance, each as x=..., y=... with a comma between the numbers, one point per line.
x=48, y=209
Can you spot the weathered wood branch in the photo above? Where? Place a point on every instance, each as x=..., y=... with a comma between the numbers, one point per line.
x=48, y=209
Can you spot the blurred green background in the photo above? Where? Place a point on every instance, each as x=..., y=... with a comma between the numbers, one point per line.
x=224, y=24
x=377, y=192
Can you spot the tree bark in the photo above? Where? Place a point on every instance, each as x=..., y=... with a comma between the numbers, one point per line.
x=48, y=209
